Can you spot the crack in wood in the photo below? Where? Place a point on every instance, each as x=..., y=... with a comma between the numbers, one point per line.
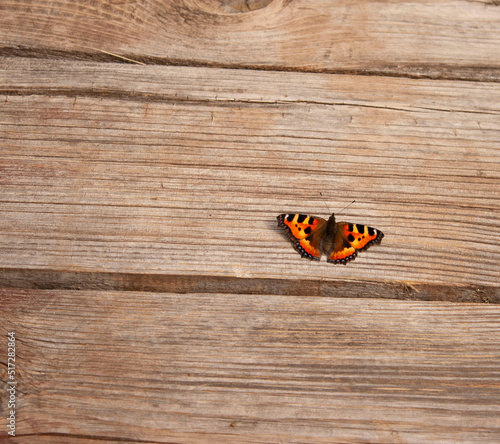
x=423, y=71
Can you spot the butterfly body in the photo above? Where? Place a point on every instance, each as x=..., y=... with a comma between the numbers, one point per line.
x=340, y=241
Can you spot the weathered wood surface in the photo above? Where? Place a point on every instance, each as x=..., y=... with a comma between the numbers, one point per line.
x=455, y=39
x=167, y=179
x=183, y=171
x=159, y=367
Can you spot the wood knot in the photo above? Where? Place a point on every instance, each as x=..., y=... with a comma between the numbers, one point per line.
x=232, y=6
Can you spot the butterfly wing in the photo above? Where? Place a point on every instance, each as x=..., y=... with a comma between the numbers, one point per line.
x=361, y=236
x=305, y=232
x=351, y=238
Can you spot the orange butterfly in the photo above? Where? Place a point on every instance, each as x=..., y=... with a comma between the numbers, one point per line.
x=340, y=241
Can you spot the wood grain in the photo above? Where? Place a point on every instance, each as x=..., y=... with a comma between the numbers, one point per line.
x=146, y=149
x=182, y=171
x=154, y=367
x=441, y=39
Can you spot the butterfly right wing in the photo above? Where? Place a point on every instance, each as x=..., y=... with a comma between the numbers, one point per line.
x=350, y=238
x=343, y=251
x=305, y=232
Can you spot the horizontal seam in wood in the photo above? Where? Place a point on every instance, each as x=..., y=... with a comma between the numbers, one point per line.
x=445, y=72
x=161, y=98
x=182, y=284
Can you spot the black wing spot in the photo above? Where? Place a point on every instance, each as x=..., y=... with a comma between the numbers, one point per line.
x=301, y=218
x=351, y=238
x=371, y=231
x=307, y=230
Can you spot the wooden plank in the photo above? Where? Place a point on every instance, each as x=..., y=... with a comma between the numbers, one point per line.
x=245, y=368
x=186, y=175
x=454, y=39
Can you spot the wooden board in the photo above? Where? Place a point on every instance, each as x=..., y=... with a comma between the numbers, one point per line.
x=453, y=39
x=185, y=173
x=161, y=367
x=146, y=149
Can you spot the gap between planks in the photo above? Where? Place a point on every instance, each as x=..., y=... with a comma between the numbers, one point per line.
x=73, y=280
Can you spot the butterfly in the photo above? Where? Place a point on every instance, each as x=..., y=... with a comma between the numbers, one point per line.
x=340, y=241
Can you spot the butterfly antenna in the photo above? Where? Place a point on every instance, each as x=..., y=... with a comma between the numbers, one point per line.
x=345, y=208
x=324, y=201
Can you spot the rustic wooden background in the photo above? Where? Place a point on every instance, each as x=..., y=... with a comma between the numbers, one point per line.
x=146, y=149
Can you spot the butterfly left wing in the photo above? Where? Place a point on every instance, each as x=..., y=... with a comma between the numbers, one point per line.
x=305, y=232
x=351, y=238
